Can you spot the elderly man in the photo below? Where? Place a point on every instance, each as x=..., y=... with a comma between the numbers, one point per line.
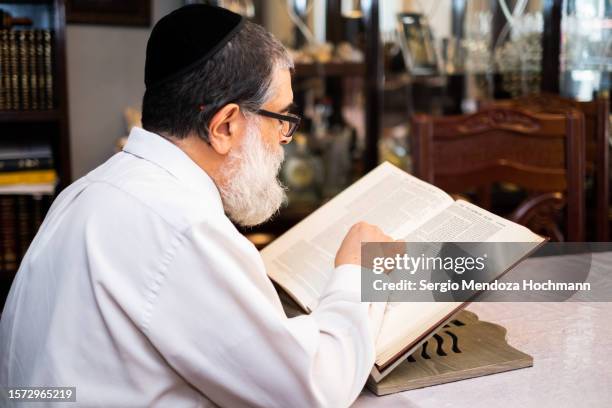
x=139, y=291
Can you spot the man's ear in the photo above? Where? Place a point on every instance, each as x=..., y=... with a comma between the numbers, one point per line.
x=224, y=128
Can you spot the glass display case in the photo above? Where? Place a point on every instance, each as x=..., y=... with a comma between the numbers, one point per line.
x=586, y=48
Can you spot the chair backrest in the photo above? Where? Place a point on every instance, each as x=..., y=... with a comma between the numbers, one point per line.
x=596, y=123
x=541, y=153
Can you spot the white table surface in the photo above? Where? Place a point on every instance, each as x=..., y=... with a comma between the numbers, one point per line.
x=571, y=345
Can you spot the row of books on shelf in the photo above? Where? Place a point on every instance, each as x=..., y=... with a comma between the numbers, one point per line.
x=27, y=168
x=26, y=71
x=27, y=184
x=20, y=217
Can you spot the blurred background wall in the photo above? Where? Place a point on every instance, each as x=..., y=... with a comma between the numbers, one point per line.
x=106, y=71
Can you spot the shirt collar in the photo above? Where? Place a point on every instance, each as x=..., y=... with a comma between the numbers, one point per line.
x=157, y=150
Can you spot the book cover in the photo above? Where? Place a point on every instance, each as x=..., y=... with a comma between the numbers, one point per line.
x=28, y=177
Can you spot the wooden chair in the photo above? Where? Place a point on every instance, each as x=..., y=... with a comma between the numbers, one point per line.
x=541, y=153
x=596, y=147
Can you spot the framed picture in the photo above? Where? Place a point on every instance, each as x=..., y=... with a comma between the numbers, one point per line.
x=417, y=44
x=109, y=12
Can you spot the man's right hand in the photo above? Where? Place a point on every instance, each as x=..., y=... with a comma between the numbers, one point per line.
x=350, y=249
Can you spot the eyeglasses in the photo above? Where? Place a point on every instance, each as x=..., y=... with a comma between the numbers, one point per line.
x=289, y=122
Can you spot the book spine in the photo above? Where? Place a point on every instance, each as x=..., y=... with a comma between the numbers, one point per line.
x=24, y=229
x=28, y=177
x=24, y=73
x=7, y=234
x=2, y=71
x=26, y=164
x=6, y=71
x=3, y=245
x=40, y=68
x=47, y=50
x=13, y=56
x=32, y=69
x=5, y=78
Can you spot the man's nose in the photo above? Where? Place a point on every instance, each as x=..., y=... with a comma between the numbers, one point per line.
x=286, y=140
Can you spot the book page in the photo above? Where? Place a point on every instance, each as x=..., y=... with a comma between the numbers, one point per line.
x=466, y=222
x=405, y=322
x=302, y=259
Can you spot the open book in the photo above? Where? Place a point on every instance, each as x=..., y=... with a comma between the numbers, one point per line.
x=301, y=260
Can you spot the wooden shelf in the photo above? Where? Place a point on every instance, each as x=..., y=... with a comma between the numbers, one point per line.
x=30, y=116
x=329, y=69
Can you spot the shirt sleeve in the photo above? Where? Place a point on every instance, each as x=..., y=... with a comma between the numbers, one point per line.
x=212, y=319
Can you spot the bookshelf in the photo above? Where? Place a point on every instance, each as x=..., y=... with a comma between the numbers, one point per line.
x=51, y=115
x=37, y=123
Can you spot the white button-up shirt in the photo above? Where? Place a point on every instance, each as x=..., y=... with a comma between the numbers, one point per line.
x=140, y=292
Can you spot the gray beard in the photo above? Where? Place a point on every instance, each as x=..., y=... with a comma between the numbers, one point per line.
x=252, y=192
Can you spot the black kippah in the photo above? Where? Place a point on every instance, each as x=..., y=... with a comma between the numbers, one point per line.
x=185, y=37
